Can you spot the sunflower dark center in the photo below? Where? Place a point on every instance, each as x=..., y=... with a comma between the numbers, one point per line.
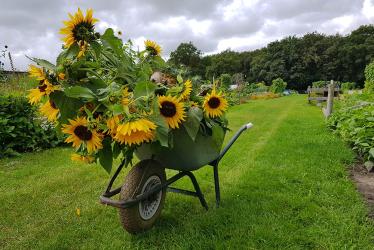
x=83, y=133
x=152, y=50
x=83, y=31
x=53, y=105
x=42, y=88
x=214, y=102
x=168, y=109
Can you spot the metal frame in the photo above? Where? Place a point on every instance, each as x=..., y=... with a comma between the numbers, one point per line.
x=105, y=197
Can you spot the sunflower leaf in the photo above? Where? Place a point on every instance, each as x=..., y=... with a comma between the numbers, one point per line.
x=106, y=155
x=217, y=135
x=68, y=106
x=79, y=92
x=145, y=88
x=179, y=79
x=110, y=40
x=162, y=130
x=43, y=63
x=96, y=47
x=192, y=123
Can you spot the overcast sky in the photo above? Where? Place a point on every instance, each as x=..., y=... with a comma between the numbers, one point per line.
x=30, y=27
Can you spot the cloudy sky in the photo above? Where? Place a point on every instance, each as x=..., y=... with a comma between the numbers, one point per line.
x=30, y=27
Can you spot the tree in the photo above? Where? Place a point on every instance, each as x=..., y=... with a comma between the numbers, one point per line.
x=299, y=61
x=189, y=56
x=225, y=80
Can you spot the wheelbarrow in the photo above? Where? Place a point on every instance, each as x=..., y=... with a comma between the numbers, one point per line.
x=143, y=193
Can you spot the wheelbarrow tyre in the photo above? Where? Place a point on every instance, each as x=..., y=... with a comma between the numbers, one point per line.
x=142, y=176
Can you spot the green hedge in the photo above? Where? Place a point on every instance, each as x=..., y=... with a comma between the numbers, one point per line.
x=21, y=130
x=354, y=122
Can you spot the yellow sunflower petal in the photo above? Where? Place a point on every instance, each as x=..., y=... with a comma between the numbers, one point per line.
x=135, y=132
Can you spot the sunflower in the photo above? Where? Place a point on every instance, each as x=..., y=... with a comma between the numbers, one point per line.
x=49, y=110
x=187, y=88
x=82, y=158
x=153, y=48
x=194, y=105
x=126, y=95
x=44, y=89
x=61, y=76
x=80, y=133
x=36, y=72
x=135, y=132
x=172, y=110
x=82, y=48
x=112, y=124
x=79, y=29
x=214, y=104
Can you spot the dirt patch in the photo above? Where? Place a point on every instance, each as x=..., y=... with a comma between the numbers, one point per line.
x=365, y=184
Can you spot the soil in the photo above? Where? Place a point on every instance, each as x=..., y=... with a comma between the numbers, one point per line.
x=365, y=184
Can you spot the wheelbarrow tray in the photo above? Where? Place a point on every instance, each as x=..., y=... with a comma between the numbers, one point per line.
x=185, y=154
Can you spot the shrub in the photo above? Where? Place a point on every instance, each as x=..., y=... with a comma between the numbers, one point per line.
x=319, y=84
x=21, y=130
x=264, y=96
x=354, y=122
x=278, y=85
x=369, y=75
x=348, y=85
x=261, y=87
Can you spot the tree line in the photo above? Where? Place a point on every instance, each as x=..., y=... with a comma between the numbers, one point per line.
x=297, y=60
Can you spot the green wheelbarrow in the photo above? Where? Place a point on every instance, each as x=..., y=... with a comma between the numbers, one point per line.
x=143, y=193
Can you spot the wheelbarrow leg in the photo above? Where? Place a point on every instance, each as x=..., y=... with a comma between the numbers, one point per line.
x=216, y=185
x=198, y=190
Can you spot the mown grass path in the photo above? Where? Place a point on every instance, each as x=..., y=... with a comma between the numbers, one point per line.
x=285, y=184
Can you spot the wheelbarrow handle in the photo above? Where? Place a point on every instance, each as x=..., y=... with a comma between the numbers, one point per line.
x=233, y=139
x=249, y=125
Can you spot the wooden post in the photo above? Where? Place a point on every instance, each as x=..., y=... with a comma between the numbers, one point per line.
x=330, y=99
x=308, y=91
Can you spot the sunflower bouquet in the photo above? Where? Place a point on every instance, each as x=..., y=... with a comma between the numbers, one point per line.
x=101, y=96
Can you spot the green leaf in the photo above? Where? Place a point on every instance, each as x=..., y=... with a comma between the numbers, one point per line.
x=117, y=109
x=145, y=88
x=109, y=40
x=369, y=165
x=96, y=47
x=106, y=155
x=116, y=149
x=96, y=83
x=43, y=63
x=73, y=51
x=371, y=151
x=179, y=78
x=192, y=123
x=68, y=106
x=218, y=135
x=79, y=92
x=162, y=130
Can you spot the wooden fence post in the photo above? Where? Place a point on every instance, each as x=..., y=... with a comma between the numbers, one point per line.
x=330, y=99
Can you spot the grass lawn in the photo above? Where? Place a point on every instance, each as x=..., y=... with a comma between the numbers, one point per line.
x=284, y=184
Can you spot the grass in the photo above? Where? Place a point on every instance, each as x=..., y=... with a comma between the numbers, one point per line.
x=285, y=185
x=17, y=85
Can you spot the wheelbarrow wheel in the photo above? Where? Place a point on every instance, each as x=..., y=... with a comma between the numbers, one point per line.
x=142, y=177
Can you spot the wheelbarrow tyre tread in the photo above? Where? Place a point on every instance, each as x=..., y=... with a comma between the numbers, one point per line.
x=130, y=217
